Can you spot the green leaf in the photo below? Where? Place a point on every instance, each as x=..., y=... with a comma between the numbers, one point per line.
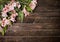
x=1, y=7
x=28, y=9
x=21, y=16
x=16, y=9
x=10, y=12
x=4, y=29
x=25, y=2
x=29, y=1
x=3, y=33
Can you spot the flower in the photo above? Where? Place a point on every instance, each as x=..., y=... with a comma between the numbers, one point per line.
x=6, y=9
x=9, y=12
x=35, y=1
x=18, y=5
x=14, y=4
x=4, y=14
x=33, y=4
x=5, y=22
x=12, y=19
x=13, y=16
x=25, y=12
x=8, y=22
x=11, y=7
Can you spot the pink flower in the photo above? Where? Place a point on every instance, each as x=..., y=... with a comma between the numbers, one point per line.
x=33, y=4
x=25, y=12
x=18, y=5
x=12, y=19
x=14, y=15
x=8, y=22
x=14, y=4
x=35, y=1
x=6, y=9
x=4, y=14
x=11, y=7
x=5, y=22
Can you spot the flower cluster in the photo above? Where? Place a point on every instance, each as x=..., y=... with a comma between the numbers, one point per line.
x=7, y=19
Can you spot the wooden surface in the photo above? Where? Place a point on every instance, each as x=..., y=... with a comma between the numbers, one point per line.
x=41, y=26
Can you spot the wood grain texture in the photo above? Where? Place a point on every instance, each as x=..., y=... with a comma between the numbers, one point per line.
x=41, y=26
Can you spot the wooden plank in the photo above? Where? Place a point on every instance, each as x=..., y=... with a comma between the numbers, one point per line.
x=46, y=6
x=41, y=19
x=36, y=29
x=50, y=14
x=28, y=39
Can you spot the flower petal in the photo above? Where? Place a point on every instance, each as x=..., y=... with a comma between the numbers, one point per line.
x=25, y=12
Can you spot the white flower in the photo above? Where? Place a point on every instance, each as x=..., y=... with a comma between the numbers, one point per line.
x=33, y=4
x=4, y=14
x=1, y=29
x=25, y=12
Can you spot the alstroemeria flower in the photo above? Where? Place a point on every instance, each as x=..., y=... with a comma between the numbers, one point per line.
x=8, y=22
x=13, y=12
x=26, y=13
x=11, y=8
x=18, y=5
x=33, y=4
x=14, y=15
x=9, y=13
x=6, y=9
x=14, y=4
x=35, y=1
x=5, y=22
x=4, y=14
x=12, y=19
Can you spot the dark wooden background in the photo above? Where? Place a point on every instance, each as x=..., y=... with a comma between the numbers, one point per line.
x=41, y=26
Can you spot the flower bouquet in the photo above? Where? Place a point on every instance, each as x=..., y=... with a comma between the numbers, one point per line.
x=12, y=9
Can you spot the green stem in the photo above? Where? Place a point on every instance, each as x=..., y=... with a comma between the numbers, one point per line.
x=2, y=33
